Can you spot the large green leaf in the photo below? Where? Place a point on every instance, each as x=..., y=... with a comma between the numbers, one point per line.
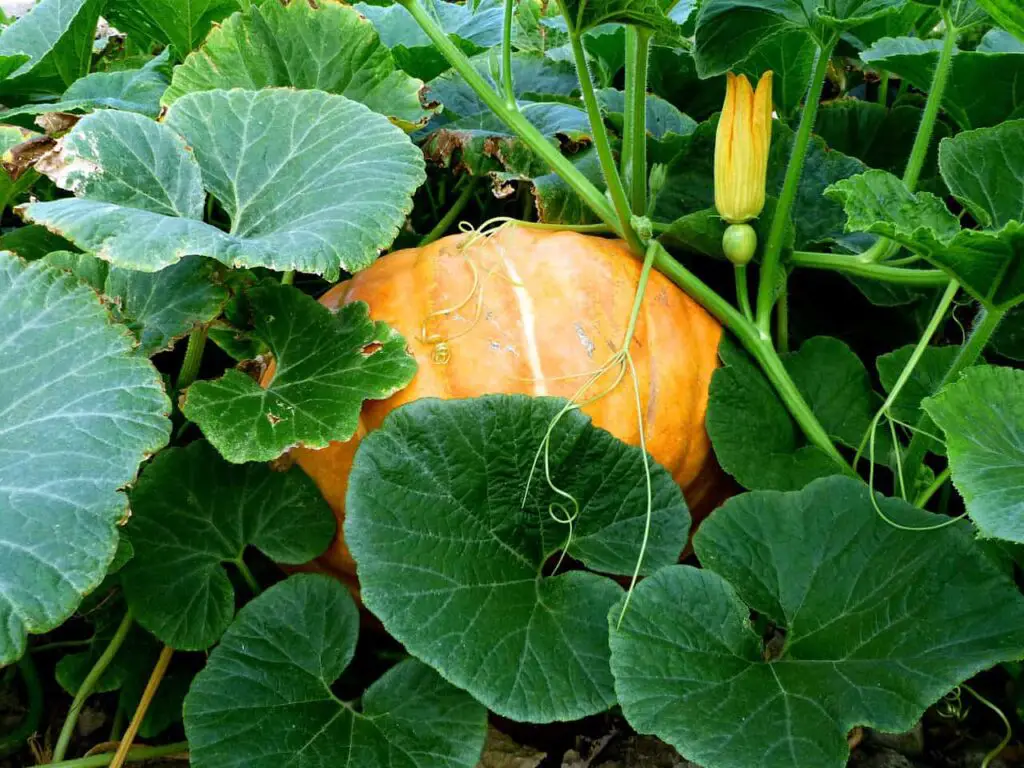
x=1008, y=340
x=924, y=381
x=983, y=88
x=1007, y=13
x=984, y=170
x=193, y=513
x=987, y=263
x=311, y=181
x=877, y=623
x=689, y=186
x=329, y=47
x=158, y=307
x=57, y=38
x=583, y=15
x=755, y=438
x=79, y=414
x=264, y=699
x=790, y=56
x=182, y=23
x=11, y=188
x=134, y=90
x=451, y=532
x=327, y=364
x=473, y=27
x=982, y=415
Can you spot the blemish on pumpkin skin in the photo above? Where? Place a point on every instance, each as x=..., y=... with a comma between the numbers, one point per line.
x=585, y=340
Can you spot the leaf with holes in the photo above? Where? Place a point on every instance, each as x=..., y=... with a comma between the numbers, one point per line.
x=329, y=47
x=982, y=415
x=80, y=413
x=311, y=181
x=326, y=365
x=452, y=559
x=264, y=699
x=192, y=514
x=874, y=625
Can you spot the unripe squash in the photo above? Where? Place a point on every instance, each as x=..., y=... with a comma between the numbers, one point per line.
x=527, y=311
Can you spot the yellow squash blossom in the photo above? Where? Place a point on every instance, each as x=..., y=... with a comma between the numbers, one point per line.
x=741, y=148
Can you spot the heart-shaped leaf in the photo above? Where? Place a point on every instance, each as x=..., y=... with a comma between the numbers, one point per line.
x=264, y=699
x=79, y=414
x=311, y=181
x=757, y=441
x=182, y=23
x=982, y=88
x=158, y=307
x=452, y=558
x=326, y=365
x=329, y=47
x=56, y=36
x=192, y=513
x=133, y=90
x=982, y=415
x=874, y=625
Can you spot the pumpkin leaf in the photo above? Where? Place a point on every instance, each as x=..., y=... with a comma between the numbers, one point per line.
x=10, y=188
x=1008, y=340
x=790, y=55
x=436, y=521
x=47, y=49
x=869, y=613
x=986, y=263
x=158, y=307
x=319, y=184
x=1000, y=41
x=924, y=381
x=474, y=28
x=181, y=23
x=133, y=90
x=757, y=441
x=662, y=117
x=982, y=415
x=66, y=448
x=583, y=15
x=264, y=698
x=984, y=170
x=329, y=47
x=193, y=513
x=327, y=364
x=995, y=74
x=33, y=242
x=556, y=202
x=1007, y=13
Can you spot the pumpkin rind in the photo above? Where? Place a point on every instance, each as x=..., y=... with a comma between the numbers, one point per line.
x=552, y=305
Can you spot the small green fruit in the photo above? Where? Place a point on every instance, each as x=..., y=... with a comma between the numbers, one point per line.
x=739, y=243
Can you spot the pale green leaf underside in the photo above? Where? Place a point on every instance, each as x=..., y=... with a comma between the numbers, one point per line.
x=326, y=365
x=311, y=181
x=982, y=415
x=57, y=38
x=192, y=514
x=331, y=48
x=264, y=698
x=880, y=623
x=79, y=413
x=450, y=559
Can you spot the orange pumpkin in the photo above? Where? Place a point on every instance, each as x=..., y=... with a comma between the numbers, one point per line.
x=527, y=311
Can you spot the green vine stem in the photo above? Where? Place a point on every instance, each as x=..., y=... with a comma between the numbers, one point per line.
x=926, y=495
x=600, y=136
x=852, y=265
x=193, y=357
x=87, y=686
x=758, y=346
x=776, y=235
x=136, y=755
x=985, y=325
x=884, y=248
x=469, y=187
x=159, y=670
x=742, y=293
x=522, y=127
x=506, y=57
x=12, y=741
x=634, y=131
x=782, y=320
x=287, y=278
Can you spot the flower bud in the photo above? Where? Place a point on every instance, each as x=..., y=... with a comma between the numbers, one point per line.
x=741, y=148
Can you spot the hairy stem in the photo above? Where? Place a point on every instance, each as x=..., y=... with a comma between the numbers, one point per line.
x=776, y=235
x=469, y=187
x=522, y=127
x=600, y=135
x=852, y=265
x=985, y=325
x=68, y=729
x=135, y=755
x=742, y=292
x=634, y=133
x=148, y=693
x=759, y=347
x=193, y=357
